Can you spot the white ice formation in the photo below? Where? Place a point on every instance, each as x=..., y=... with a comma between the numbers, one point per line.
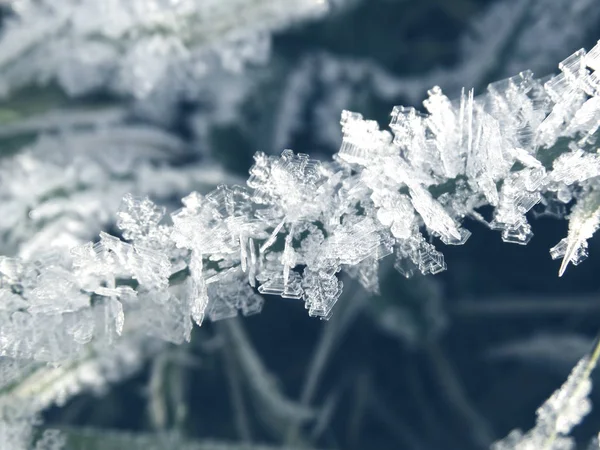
x=299, y=221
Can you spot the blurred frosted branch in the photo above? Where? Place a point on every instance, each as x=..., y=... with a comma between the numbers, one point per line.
x=28, y=387
x=64, y=187
x=565, y=409
x=515, y=306
x=140, y=46
x=238, y=404
x=453, y=389
x=57, y=120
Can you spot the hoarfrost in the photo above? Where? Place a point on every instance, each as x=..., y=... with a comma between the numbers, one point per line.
x=298, y=222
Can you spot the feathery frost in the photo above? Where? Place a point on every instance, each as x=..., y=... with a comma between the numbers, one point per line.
x=299, y=221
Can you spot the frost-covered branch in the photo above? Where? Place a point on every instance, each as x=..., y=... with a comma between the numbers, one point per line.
x=300, y=221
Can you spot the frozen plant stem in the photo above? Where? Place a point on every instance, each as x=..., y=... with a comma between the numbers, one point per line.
x=276, y=410
x=515, y=306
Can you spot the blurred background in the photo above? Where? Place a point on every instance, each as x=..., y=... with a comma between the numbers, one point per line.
x=454, y=360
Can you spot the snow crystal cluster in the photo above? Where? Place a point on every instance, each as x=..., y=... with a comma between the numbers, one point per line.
x=138, y=47
x=298, y=222
x=526, y=141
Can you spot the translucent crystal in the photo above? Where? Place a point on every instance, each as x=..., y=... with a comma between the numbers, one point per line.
x=353, y=243
x=430, y=260
x=575, y=166
x=166, y=316
x=276, y=285
x=197, y=288
x=56, y=292
x=559, y=250
x=363, y=140
x=405, y=266
x=592, y=58
x=443, y=122
x=232, y=296
x=464, y=236
x=517, y=234
x=148, y=266
x=583, y=222
x=574, y=66
x=137, y=217
x=434, y=215
x=321, y=291
x=415, y=253
x=366, y=272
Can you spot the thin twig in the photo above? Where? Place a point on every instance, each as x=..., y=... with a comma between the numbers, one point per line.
x=157, y=407
x=275, y=409
x=347, y=310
